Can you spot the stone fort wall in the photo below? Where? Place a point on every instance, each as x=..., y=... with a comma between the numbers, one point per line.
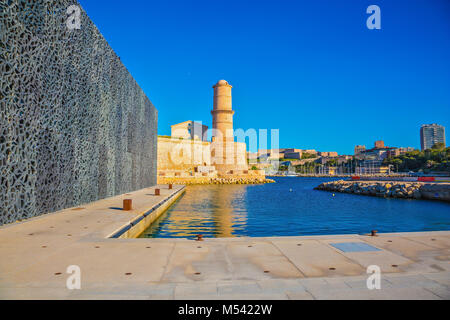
x=75, y=126
x=182, y=154
x=185, y=154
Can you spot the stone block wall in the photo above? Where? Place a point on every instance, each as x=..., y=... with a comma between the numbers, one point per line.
x=182, y=154
x=75, y=126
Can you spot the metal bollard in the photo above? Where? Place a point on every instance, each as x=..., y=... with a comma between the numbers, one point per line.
x=170, y=186
x=157, y=192
x=127, y=204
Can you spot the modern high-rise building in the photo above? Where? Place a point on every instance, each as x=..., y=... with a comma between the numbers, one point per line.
x=430, y=134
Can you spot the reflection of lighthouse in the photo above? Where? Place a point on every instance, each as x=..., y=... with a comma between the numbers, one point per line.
x=213, y=211
x=228, y=209
x=224, y=149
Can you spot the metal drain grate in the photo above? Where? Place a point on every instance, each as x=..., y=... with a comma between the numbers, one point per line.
x=354, y=247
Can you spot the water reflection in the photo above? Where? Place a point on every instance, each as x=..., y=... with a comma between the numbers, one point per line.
x=291, y=207
x=212, y=210
x=228, y=208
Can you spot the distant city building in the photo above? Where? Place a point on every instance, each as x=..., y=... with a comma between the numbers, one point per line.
x=293, y=155
x=367, y=170
x=290, y=150
x=431, y=134
x=328, y=154
x=270, y=154
x=332, y=171
x=310, y=151
x=189, y=130
x=375, y=154
x=338, y=159
x=344, y=159
x=285, y=153
x=359, y=149
x=302, y=162
x=395, y=152
x=379, y=144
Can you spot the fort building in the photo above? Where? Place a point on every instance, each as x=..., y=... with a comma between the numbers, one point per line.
x=187, y=153
x=189, y=130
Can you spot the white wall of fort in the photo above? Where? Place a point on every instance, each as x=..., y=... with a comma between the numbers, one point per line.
x=186, y=154
x=182, y=154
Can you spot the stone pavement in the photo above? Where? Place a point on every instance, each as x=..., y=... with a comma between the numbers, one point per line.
x=36, y=254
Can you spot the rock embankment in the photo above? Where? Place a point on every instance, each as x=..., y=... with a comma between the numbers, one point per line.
x=196, y=181
x=394, y=189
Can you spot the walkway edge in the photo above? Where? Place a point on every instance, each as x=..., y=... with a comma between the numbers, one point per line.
x=139, y=224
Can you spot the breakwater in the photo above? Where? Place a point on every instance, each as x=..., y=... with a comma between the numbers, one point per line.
x=206, y=180
x=391, y=189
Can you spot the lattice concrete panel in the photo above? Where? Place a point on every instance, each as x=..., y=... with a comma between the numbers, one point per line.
x=75, y=126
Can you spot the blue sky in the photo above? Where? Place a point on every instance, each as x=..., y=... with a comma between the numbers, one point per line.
x=311, y=69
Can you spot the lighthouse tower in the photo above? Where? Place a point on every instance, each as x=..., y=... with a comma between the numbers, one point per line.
x=222, y=111
x=226, y=155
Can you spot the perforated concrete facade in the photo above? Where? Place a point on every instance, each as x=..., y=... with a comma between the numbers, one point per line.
x=75, y=126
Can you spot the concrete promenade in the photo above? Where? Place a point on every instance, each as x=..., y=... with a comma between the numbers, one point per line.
x=36, y=254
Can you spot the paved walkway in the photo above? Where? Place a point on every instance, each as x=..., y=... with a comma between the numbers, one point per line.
x=35, y=256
